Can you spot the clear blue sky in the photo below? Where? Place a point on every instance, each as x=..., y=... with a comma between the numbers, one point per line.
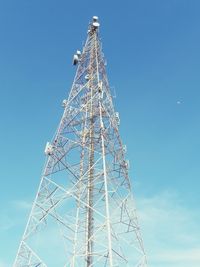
x=153, y=54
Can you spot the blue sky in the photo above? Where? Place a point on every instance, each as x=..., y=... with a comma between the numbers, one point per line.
x=153, y=55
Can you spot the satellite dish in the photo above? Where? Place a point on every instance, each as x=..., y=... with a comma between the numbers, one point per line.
x=96, y=24
x=95, y=18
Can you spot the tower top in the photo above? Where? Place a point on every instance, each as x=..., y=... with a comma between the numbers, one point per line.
x=95, y=21
x=94, y=25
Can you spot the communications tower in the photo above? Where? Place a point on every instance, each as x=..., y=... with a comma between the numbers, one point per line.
x=83, y=214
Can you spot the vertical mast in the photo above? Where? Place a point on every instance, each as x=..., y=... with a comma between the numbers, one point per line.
x=92, y=72
x=91, y=171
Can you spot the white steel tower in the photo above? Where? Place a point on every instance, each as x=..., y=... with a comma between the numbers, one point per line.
x=83, y=214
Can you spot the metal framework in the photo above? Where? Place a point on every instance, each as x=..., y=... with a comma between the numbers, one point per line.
x=83, y=214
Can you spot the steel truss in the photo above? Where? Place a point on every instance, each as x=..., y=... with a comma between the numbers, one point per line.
x=85, y=197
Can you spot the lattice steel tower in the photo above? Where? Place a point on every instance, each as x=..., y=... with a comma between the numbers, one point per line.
x=83, y=214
